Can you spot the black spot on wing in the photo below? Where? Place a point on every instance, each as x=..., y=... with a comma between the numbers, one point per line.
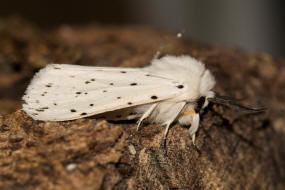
x=130, y=103
x=180, y=86
x=83, y=113
x=78, y=92
x=119, y=97
x=153, y=97
x=91, y=104
x=49, y=85
x=111, y=84
x=87, y=82
x=133, y=84
x=44, y=93
x=92, y=80
x=72, y=110
x=132, y=113
x=123, y=72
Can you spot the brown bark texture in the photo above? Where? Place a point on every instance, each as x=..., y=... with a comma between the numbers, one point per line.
x=234, y=150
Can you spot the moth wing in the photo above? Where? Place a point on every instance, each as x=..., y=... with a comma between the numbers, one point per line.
x=67, y=92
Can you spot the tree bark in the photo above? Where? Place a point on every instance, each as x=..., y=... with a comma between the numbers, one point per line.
x=234, y=150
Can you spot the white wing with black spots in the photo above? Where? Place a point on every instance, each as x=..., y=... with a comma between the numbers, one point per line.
x=66, y=92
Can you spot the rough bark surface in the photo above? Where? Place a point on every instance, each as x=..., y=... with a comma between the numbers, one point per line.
x=234, y=151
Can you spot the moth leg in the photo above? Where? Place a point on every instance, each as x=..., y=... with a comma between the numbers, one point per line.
x=145, y=115
x=167, y=129
x=194, y=118
x=194, y=126
x=172, y=119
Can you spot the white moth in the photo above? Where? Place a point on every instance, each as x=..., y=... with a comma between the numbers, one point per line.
x=170, y=89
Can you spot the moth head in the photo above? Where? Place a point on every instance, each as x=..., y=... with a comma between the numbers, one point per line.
x=207, y=82
x=201, y=103
x=207, y=95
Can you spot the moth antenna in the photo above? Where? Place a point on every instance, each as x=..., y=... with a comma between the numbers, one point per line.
x=161, y=47
x=232, y=102
x=164, y=42
x=228, y=98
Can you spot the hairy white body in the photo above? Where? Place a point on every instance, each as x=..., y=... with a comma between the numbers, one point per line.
x=167, y=90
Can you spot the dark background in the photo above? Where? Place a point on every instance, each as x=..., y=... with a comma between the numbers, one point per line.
x=255, y=25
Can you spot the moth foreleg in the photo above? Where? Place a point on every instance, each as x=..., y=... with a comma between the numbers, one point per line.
x=194, y=126
x=146, y=115
x=178, y=107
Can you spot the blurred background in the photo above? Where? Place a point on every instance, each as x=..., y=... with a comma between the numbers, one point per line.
x=255, y=25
